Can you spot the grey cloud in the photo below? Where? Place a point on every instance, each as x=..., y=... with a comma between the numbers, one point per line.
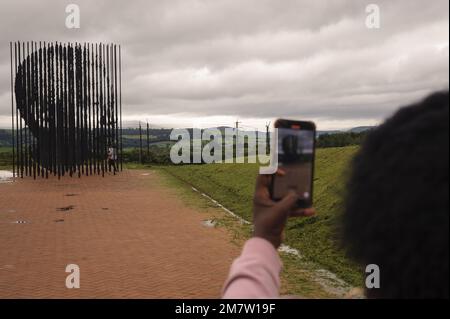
x=252, y=58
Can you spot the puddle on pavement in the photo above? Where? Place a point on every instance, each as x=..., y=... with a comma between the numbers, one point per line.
x=65, y=209
x=6, y=176
x=209, y=223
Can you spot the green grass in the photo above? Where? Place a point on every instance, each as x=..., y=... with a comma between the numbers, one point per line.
x=135, y=166
x=5, y=149
x=137, y=137
x=297, y=278
x=5, y=158
x=315, y=237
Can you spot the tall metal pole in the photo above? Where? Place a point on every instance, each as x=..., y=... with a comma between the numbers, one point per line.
x=66, y=119
x=94, y=111
x=41, y=122
x=140, y=143
x=120, y=104
x=52, y=108
x=108, y=101
x=45, y=104
x=236, y=139
x=34, y=108
x=17, y=48
x=89, y=106
x=12, y=113
x=57, y=110
x=116, y=103
x=97, y=110
x=22, y=161
x=103, y=106
x=18, y=117
x=148, y=141
x=27, y=96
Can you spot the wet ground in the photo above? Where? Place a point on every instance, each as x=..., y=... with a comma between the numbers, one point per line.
x=5, y=176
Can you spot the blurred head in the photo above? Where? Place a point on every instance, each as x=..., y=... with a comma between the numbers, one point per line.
x=397, y=205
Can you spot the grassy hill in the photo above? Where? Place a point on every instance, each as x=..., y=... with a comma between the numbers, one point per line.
x=315, y=237
x=5, y=157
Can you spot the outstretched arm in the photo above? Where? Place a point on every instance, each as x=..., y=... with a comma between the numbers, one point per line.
x=256, y=273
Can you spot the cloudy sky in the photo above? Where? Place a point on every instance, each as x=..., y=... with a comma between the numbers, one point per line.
x=211, y=62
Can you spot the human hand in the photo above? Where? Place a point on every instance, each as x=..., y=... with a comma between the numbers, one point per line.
x=270, y=217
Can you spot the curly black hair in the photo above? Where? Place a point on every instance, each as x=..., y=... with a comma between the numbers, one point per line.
x=396, y=211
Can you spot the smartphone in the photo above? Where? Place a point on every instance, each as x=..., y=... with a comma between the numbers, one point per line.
x=296, y=152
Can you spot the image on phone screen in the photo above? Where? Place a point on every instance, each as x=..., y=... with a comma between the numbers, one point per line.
x=295, y=158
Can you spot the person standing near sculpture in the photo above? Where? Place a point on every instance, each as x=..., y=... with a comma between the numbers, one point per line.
x=112, y=158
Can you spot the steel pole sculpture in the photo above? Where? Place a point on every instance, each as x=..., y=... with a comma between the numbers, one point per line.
x=66, y=108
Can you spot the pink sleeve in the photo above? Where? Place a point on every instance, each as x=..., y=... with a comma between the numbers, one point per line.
x=256, y=273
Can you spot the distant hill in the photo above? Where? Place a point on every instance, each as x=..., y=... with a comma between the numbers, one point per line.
x=131, y=135
x=319, y=133
x=5, y=138
x=360, y=129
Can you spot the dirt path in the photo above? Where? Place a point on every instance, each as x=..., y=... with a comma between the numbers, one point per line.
x=130, y=236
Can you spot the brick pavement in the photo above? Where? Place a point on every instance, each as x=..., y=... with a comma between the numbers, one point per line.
x=130, y=236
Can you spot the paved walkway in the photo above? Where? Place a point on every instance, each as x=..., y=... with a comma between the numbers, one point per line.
x=130, y=236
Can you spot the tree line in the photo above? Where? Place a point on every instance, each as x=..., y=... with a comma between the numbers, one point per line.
x=160, y=154
x=340, y=139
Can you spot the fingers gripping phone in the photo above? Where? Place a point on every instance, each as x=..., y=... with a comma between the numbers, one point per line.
x=296, y=152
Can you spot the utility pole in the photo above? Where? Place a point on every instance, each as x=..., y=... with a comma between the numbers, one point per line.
x=237, y=124
x=12, y=110
x=148, y=141
x=140, y=142
x=237, y=128
x=267, y=138
x=235, y=146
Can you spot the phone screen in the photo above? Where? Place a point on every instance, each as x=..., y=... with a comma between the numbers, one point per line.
x=296, y=142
